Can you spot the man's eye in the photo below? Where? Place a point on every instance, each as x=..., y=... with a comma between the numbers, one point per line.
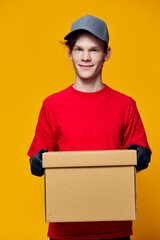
x=78, y=49
x=94, y=50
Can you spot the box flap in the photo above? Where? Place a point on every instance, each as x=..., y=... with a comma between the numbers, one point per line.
x=89, y=158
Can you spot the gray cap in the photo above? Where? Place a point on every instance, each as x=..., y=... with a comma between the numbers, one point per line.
x=91, y=24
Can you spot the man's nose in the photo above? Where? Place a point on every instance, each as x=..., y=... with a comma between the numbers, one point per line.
x=86, y=56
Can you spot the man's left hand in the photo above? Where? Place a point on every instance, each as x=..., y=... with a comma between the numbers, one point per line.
x=143, y=156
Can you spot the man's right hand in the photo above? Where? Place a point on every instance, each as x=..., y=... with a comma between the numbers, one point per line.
x=36, y=163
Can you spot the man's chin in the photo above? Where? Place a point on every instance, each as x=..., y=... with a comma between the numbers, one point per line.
x=86, y=76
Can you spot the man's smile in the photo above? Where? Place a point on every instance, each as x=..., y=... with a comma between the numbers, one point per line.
x=86, y=67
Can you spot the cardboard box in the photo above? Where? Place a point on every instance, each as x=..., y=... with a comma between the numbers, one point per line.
x=86, y=186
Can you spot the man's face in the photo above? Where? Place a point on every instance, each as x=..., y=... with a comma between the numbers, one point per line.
x=88, y=56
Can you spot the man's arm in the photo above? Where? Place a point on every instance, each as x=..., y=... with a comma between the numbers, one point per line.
x=134, y=137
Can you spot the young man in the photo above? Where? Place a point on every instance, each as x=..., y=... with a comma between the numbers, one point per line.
x=89, y=115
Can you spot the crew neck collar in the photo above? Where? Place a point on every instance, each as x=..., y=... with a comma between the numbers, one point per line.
x=99, y=92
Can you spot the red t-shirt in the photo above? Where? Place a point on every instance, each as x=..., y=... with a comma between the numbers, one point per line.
x=72, y=120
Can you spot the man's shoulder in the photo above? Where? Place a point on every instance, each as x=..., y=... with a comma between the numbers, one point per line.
x=60, y=95
x=121, y=100
x=117, y=95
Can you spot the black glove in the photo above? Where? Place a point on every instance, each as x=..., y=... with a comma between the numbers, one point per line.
x=36, y=163
x=143, y=156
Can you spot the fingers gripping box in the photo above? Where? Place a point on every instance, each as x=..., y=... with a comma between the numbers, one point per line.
x=86, y=186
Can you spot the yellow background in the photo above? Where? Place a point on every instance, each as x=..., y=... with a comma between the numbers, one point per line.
x=33, y=65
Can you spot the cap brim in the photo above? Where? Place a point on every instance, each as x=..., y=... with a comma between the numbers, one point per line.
x=76, y=30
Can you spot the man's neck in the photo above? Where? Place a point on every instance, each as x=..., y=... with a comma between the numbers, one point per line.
x=88, y=85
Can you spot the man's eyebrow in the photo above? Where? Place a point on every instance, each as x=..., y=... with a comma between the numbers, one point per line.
x=77, y=46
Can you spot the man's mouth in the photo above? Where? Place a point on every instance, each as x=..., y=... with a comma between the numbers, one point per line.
x=86, y=67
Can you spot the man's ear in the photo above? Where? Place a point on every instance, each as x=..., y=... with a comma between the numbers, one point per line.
x=107, y=54
x=70, y=54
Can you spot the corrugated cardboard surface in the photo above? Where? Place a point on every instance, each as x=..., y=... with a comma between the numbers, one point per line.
x=90, y=186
